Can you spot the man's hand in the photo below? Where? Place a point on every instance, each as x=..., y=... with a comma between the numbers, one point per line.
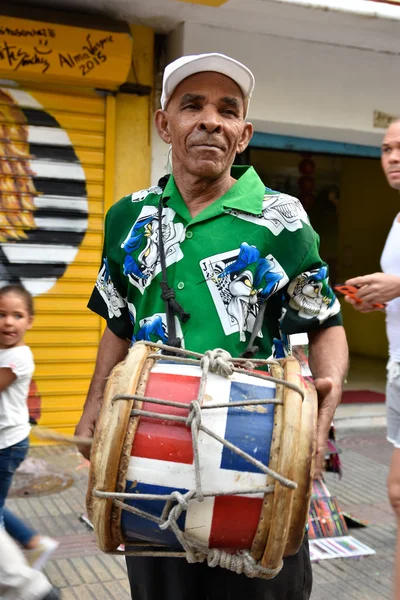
x=362, y=307
x=328, y=359
x=377, y=288
x=86, y=426
x=328, y=400
x=112, y=350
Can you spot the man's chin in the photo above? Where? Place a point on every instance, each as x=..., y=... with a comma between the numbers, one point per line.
x=209, y=169
x=394, y=183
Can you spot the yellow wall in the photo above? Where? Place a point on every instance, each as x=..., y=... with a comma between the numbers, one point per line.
x=128, y=135
x=119, y=165
x=133, y=120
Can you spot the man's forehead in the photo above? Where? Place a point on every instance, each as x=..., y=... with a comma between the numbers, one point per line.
x=393, y=133
x=201, y=83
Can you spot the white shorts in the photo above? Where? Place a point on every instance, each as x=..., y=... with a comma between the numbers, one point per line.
x=393, y=403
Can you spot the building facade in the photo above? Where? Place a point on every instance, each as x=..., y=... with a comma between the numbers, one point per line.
x=72, y=113
x=77, y=94
x=326, y=88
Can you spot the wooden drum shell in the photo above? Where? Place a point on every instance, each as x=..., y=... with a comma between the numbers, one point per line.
x=283, y=514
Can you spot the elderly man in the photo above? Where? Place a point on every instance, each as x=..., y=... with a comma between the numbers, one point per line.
x=212, y=257
x=384, y=287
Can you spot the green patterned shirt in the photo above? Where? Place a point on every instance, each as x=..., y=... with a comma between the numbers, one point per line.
x=250, y=245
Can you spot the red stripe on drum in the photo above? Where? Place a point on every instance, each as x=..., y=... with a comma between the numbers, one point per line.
x=235, y=521
x=160, y=439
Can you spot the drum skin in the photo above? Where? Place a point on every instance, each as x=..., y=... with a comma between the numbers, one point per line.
x=154, y=456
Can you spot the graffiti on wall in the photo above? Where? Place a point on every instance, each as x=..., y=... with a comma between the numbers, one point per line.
x=61, y=52
x=43, y=196
x=84, y=59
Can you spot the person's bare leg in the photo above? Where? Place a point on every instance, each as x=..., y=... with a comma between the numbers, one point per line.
x=394, y=497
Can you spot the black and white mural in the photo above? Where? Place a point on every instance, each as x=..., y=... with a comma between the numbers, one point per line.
x=43, y=194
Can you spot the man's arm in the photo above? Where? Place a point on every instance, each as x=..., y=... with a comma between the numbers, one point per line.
x=112, y=350
x=328, y=360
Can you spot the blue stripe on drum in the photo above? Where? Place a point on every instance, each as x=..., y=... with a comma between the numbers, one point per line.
x=136, y=528
x=246, y=426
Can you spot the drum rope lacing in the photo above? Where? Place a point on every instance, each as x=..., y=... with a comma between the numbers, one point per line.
x=216, y=361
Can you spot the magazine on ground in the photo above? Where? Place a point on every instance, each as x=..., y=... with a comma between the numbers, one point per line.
x=327, y=528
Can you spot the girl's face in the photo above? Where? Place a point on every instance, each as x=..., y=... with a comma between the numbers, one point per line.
x=15, y=320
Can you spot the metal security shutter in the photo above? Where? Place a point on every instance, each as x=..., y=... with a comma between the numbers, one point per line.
x=52, y=148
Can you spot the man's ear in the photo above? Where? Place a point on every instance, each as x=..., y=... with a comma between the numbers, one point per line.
x=246, y=137
x=161, y=121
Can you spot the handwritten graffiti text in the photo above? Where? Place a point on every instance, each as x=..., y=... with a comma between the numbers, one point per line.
x=90, y=55
x=17, y=57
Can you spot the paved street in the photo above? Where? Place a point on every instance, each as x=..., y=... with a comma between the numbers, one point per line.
x=84, y=573
x=361, y=492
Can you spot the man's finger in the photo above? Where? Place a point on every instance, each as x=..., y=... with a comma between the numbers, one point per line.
x=363, y=291
x=353, y=302
x=362, y=307
x=323, y=385
x=324, y=424
x=363, y=280
x=319, y=464
x=84, y=450
x=86, y=431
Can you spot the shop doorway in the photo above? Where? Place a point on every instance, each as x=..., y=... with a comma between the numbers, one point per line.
x=351, y=207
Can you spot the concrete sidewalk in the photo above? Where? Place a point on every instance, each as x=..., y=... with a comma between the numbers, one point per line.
x=362, y=492
x=84, y=573
x=78, y=567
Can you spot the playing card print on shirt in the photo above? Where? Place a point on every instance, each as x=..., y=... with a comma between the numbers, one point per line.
x=142, y=259
x=108, y=292
x=311, y=295
x=154, y=329
x=238, y=281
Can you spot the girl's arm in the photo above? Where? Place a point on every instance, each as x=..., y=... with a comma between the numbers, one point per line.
x=6, y=377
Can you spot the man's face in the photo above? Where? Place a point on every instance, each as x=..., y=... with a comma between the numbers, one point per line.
x=204, y=123
x=391, y=155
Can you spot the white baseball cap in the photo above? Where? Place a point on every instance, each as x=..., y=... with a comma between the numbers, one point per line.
x=185, y=66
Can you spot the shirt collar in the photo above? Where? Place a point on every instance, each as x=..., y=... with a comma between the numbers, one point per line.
x=246, y=195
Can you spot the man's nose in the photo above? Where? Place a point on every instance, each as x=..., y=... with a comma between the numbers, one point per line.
x=394, y=156
x=210, y=121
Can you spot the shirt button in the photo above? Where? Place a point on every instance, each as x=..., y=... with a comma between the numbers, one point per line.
x=180, y=285
x=189, y=235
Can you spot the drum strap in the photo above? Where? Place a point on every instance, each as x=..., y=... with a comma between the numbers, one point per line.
x=172, y=307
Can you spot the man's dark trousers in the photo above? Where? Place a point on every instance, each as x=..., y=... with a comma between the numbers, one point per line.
x=176, y=579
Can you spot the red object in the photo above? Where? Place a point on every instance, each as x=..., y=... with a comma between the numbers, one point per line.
x=162, y=457
x=362, y=396
x=153, y=441
x=351, y=291
x=34, y=402
x=242, y=530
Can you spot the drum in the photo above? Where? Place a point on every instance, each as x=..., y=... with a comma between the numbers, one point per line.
x=205, y=457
